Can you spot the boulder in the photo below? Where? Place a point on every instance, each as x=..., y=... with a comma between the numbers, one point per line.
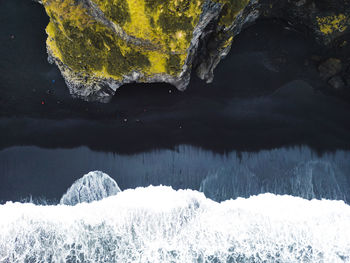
x=330, y=68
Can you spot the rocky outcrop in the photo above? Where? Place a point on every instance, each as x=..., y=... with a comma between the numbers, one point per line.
x=100, y=45
x=93, y=186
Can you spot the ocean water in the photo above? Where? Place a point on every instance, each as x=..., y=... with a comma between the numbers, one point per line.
x=159, y=224
x=270, y=206
x=297, y=171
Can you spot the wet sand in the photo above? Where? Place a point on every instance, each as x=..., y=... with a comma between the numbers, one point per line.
x=265, y=95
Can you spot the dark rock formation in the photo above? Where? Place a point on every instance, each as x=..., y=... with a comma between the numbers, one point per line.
x=337, y=83
x=330, y=68
x=100, y=45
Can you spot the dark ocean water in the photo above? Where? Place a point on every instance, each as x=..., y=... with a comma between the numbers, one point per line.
x=45, y=174
x=265, y=96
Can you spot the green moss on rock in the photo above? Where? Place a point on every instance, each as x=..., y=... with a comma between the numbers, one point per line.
x=87, y=46
x=116, y=10
x=113, y=39
x=230, y=10
x=173, y=64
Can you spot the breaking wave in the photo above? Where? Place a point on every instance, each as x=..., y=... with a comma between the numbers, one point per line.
x=93, y=186
x=159, y=224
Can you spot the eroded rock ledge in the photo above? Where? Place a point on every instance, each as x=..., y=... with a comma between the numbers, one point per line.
x=100, y=45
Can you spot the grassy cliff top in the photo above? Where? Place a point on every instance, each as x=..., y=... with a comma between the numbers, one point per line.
x=148, y=36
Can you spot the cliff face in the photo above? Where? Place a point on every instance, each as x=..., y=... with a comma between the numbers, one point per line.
x=99, y=45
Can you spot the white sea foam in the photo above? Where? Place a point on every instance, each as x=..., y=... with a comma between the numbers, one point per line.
x=159, y=224
x=93, y=186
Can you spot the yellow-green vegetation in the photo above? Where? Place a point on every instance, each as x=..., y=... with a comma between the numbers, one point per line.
x=227, y=42
x=89, y=47
x=148, y=36
x=334, y=23
x=167, y=24
x=230, y=10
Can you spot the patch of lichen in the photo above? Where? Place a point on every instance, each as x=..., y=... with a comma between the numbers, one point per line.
x=168, y=25
x=227, y=42
x=71, y=10
x=173, y=63
x=115, y=10
x=97, y=51
x=333, y=23
x=230, y=10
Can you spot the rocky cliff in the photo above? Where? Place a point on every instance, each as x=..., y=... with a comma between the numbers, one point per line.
x=100, y=45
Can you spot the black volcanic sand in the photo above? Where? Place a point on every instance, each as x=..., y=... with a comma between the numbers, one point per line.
x=266, y=94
